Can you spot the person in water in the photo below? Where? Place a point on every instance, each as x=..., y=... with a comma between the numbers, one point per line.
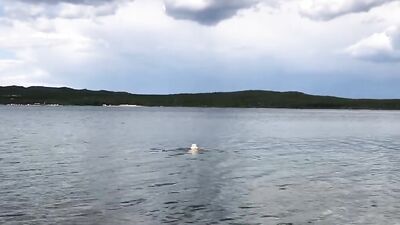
x=194, y=149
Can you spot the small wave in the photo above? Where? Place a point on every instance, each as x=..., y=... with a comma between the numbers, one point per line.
x=132, y=202
x=194, y=208
x=171, y=203
x=162, y=184
x=12, y=215
x=226, y=219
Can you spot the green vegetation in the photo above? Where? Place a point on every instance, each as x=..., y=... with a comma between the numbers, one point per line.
x=240, y=99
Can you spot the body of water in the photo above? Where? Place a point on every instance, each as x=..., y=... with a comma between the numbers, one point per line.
x=111, y=166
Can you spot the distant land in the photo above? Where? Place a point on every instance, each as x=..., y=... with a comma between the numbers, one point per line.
x=240, y=99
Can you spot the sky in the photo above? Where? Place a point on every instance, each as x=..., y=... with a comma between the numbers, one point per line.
x=348, y=48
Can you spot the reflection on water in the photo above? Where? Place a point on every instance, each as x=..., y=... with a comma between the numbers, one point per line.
x=94, y=165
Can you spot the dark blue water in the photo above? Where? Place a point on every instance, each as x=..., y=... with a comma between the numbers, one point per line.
x=100, y=165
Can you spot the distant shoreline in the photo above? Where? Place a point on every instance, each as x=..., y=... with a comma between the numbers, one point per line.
x=58, y=105
x=49, y=96
x=199, y=107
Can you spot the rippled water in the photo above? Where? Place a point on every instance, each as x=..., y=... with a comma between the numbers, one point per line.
x=97, y=165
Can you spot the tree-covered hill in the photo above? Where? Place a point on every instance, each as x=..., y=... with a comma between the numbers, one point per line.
x=242, y=99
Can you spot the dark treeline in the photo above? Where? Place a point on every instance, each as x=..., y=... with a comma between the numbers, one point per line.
x=240, y=99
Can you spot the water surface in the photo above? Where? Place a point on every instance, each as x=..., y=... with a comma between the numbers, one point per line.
x=100, y=165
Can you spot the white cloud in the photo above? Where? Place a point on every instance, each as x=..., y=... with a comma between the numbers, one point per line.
x=140, y=46
x=27, y=10
x=329, y=9
x=379, y=47
x=22, y=38
x=40, y=56
x=18, y=72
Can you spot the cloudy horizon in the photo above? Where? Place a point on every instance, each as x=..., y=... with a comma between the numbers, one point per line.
x=348, y=48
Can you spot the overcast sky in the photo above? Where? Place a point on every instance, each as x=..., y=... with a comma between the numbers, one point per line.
x=332, y=47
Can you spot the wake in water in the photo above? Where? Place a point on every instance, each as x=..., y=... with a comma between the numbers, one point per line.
x=194, y=149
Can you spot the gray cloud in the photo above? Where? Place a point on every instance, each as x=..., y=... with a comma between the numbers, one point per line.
x=211, y=13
